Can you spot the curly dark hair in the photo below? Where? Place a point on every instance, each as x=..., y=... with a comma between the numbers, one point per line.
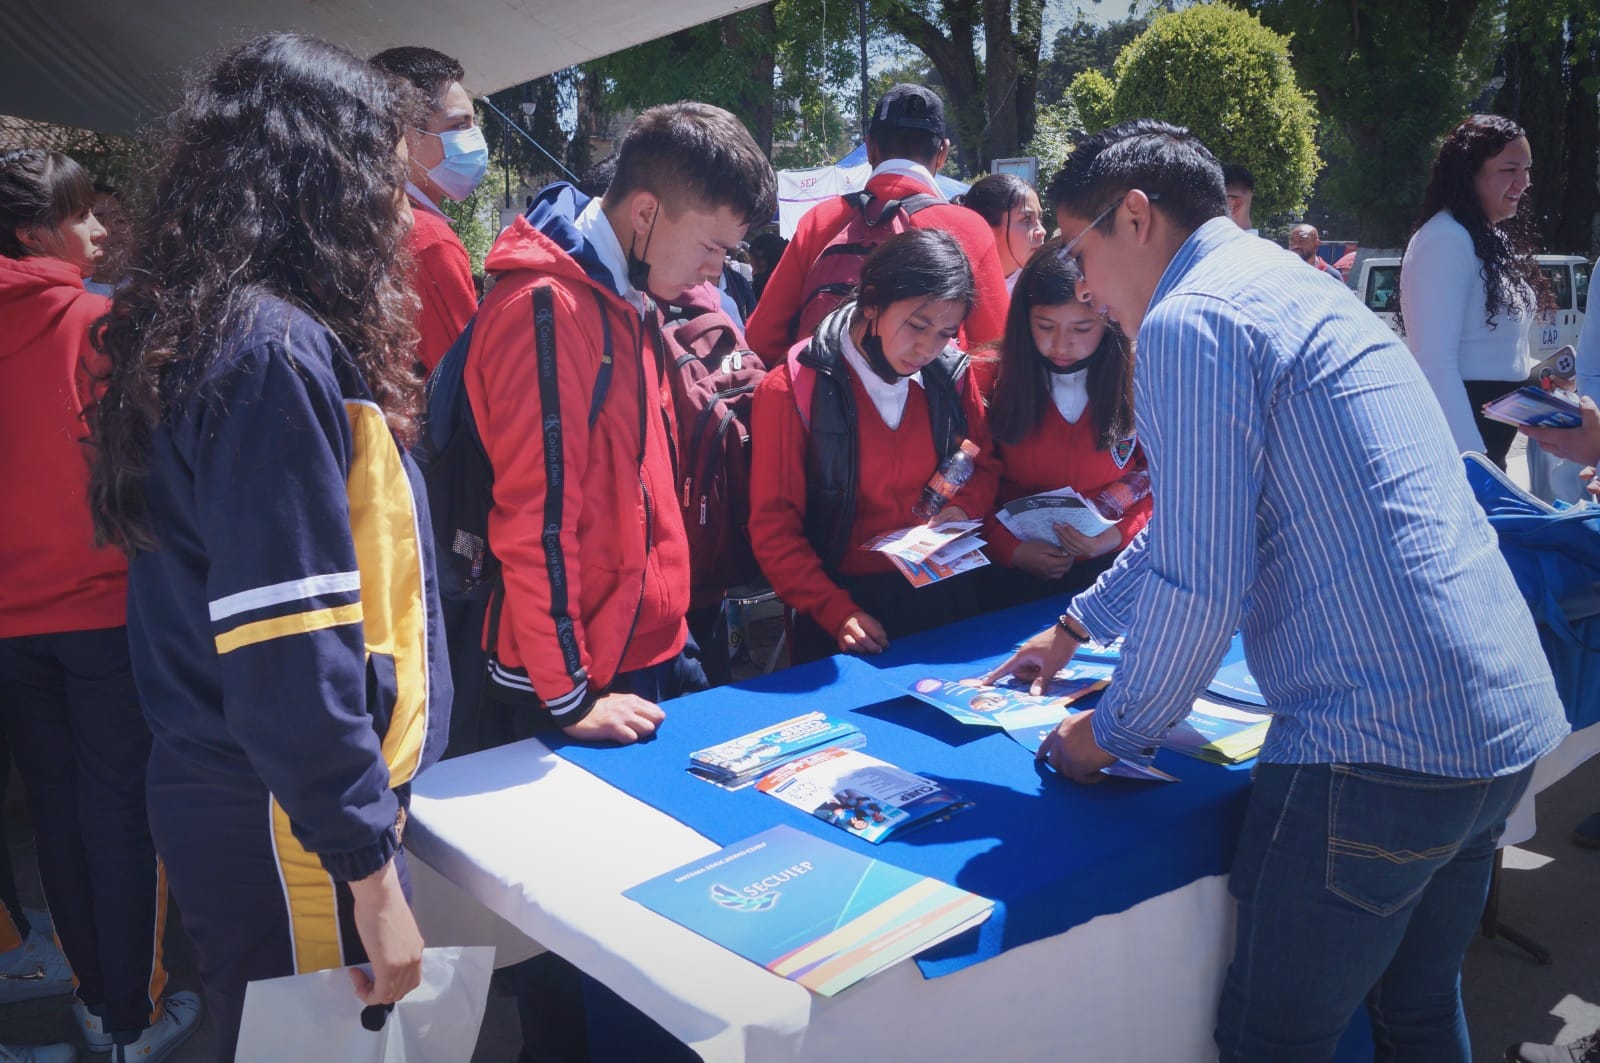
x=281, y=180
x=1505, y=251
x=1022, y=389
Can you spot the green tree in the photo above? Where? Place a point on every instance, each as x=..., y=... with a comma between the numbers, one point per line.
x=1227, y=77
x=1092, y=95
x=1551, y=60
x=993, y=99
x=1085, y=46
x=1393, y=77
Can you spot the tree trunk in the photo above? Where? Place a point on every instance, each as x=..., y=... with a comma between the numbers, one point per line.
x=754, y=32
x=1579, y=229
x=953, y=57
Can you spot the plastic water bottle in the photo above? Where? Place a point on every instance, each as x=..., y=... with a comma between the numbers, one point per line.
x=943, y=485
x=1119, y=496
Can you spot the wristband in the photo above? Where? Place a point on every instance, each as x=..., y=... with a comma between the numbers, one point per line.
x=1072, y=627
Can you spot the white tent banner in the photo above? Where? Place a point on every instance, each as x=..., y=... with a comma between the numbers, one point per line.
x=800, y=190
x=113, y=67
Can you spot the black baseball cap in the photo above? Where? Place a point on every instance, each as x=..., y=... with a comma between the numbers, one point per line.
x=909, y=107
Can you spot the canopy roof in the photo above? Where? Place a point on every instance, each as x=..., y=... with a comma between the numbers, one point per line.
x=113, y=65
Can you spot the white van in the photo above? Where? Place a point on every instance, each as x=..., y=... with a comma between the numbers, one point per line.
x=1379, y=287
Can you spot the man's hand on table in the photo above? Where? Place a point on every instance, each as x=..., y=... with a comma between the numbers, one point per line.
x=620, y=718
x=1071, y=750
x=1039, y=659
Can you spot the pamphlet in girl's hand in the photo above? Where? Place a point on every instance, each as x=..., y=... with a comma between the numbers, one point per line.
x=1034, y=518
x=925, y=554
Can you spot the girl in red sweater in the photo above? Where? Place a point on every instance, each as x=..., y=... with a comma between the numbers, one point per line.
x=1060, y=395
x=846, y=434
x=68, y=707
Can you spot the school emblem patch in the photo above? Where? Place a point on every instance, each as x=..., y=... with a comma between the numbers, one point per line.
x=1123, y=450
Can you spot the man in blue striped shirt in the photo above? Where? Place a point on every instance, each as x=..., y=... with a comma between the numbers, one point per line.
x=1307, y=491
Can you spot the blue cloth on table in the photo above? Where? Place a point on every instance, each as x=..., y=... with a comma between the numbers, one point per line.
x=1050, y=853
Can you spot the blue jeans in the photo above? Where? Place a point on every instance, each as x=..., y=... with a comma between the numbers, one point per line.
x=1358, y=882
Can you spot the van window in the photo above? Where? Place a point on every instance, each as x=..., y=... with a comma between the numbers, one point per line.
x=1383, y=289
x=1560, y=280
x=1580, y=286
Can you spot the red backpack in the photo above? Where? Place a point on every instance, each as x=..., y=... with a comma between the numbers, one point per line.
x=713, y=377
x=837, y=270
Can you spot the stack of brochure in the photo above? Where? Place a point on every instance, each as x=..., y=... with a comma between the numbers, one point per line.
x=1227, y=724
x=860, y=794
x=811, y=912
x=925, y=554
x=737, y=763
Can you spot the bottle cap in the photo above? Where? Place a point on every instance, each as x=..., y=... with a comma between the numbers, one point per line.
x=969, y=448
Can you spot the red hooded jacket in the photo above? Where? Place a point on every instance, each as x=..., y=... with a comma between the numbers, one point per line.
x=596, y=567
x=55, y=577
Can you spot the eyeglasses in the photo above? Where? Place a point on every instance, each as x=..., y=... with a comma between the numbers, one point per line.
x=1067, y=251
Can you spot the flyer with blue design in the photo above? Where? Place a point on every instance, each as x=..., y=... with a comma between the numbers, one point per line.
x=814, y=913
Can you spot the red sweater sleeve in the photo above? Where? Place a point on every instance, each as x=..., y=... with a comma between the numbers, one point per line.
x=443, y=283
x=506, y=397
x=1133, y=521
x=778, y=445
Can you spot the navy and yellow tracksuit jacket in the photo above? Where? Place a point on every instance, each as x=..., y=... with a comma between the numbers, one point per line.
x=286, y=635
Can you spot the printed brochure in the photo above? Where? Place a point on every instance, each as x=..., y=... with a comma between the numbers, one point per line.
x=1034, y=518
x=925, y=555
x=860, y=794
x=811, y=912
x=1026, y=718
x=738, y=762
x=1535, y=408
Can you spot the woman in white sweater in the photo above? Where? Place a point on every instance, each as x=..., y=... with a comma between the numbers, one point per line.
x=1469, y=286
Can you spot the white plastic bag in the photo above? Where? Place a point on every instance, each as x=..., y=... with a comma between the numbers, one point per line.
x=313, y=1017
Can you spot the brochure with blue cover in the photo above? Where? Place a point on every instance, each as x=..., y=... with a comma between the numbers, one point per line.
x=814, y=913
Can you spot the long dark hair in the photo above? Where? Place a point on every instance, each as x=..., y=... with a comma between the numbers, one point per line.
x=281, y=180
x=1022, y=392
x=1505, y=251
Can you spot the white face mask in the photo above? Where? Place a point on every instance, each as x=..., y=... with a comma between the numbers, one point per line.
x=466, y=160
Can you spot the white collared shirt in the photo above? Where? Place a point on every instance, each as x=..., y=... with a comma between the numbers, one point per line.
x=914, y=170
x=422, y=198
x=888, y=399
x=593, y=225
x=1070, y=393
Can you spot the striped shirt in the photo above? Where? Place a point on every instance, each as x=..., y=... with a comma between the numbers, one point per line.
x=1307, y=491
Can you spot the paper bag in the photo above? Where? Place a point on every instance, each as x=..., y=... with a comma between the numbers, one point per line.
x=318, y=1016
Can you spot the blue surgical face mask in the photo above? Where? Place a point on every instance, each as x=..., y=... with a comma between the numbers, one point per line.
x=466, y=160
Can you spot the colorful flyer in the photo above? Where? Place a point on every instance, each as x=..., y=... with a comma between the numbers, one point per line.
x=811, y=912
x=738, y=762
x=863, y=795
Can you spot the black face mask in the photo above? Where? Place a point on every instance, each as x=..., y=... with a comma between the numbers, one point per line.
x=638, y=268
x=1075, y=367
x=872, y=348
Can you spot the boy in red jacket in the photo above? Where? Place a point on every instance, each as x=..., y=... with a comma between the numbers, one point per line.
x=566, y=385
x=448, y=161
x=565, y=378
x=906, y=146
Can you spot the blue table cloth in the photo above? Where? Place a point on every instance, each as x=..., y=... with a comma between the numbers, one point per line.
x=1052, y=854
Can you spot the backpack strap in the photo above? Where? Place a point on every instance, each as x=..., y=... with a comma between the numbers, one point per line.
x=802, y=385
x=921, y=201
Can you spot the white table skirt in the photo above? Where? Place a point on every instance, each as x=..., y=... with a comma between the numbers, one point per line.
x=548, y=848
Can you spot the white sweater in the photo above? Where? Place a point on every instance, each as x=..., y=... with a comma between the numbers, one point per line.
x=1442, y=298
